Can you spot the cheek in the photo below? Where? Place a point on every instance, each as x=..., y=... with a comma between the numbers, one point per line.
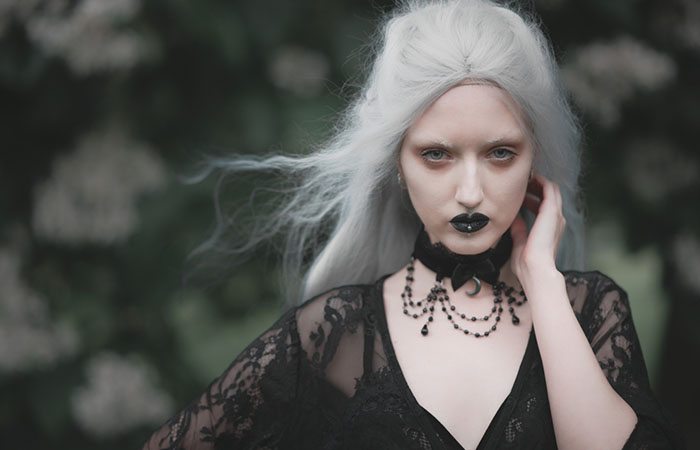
x=508, y=194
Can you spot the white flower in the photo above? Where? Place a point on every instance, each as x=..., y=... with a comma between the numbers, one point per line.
x=655, y=168
x=686, y=254
x=88, y=35
x=601, y=76
x=120, y=394
x=299, y=70
x=28, y=338
x=90, y=196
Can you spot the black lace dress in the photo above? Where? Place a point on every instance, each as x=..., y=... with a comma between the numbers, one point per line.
x=325, y=376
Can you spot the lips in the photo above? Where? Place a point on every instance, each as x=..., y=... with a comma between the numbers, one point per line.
x=469, y=223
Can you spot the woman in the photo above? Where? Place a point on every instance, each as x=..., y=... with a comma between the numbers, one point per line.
x=455, y=171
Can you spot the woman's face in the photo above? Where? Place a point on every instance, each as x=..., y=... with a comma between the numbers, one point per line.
x=467, y=154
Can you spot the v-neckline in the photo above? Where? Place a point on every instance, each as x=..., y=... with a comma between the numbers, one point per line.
x=423, y=414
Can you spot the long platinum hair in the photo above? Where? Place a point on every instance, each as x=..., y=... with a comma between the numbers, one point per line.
x=344, y=218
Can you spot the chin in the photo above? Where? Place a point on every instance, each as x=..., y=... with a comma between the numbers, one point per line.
x=472, y=244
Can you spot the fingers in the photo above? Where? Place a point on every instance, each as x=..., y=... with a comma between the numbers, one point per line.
x=532, y=203
x=540, y=190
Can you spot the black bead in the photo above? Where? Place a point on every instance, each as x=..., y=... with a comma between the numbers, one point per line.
x=452, y=308
x=462, y=316
x=456, y=326
x=447, y=297
x=415, y=316
x=477, y=335
x=425, y=309
x=486, y=317
x=486, y=333
x=494, y=309
x=466, y=331
x=473, y=319
x=493, y=328
x=516, y=320
x=424, y=330
x=430, y=319
x=510, y=309
x=498, y=318
x=444, y=309
x=432, y=308
x=449, y=317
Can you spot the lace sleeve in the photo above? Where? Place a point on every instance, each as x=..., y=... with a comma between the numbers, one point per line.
x=607, y=321
x=247, y=406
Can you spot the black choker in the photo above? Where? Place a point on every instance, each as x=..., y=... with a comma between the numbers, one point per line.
x=462, y=268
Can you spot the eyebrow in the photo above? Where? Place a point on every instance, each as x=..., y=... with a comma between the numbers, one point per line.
x=502, y=140
x=506, y=139
x=428, y=142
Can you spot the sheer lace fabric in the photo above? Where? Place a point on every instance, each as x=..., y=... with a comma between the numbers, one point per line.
x=324, y=376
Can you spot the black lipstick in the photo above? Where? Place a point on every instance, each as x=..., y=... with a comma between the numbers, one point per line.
x=469, y=223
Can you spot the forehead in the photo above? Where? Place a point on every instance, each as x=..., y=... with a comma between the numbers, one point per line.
x=470, y=112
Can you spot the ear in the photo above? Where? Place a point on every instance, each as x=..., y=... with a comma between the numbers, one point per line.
x=400, y=179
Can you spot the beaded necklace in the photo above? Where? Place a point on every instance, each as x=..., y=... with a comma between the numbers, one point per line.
x=464, y=267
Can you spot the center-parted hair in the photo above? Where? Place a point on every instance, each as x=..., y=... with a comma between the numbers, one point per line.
x=344, y=218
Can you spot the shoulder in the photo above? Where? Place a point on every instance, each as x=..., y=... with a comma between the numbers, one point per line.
x=334, y=320
x=340, y=304
x=596, y=297
x=594, y=280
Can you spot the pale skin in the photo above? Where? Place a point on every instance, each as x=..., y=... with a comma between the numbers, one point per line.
x=468, y=152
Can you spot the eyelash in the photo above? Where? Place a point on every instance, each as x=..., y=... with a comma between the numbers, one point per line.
x=436, y=155
x=510, y=154
x=426, y=155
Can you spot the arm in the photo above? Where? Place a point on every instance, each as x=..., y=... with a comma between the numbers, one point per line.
x=587, y=413
x=247, y=403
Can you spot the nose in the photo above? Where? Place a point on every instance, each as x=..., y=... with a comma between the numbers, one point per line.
x=469, y=192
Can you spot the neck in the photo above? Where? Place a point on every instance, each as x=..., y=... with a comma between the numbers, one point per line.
x=460, y=269
x=425, y=277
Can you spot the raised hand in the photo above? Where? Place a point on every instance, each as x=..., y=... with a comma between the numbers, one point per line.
x=536, y=252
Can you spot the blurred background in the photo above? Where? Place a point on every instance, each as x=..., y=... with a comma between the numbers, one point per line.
x=106, y=104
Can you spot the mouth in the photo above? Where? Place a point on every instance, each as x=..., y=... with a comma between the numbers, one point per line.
x=469, y=223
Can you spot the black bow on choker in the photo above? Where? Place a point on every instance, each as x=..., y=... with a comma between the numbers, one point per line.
x=462, y=268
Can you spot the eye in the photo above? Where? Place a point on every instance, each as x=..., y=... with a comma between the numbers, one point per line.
x=434, y=154
x=502, y=154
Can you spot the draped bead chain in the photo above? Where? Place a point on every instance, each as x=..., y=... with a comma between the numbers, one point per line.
x=437, y=299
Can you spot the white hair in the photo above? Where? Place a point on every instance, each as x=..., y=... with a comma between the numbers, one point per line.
x=345, y=218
